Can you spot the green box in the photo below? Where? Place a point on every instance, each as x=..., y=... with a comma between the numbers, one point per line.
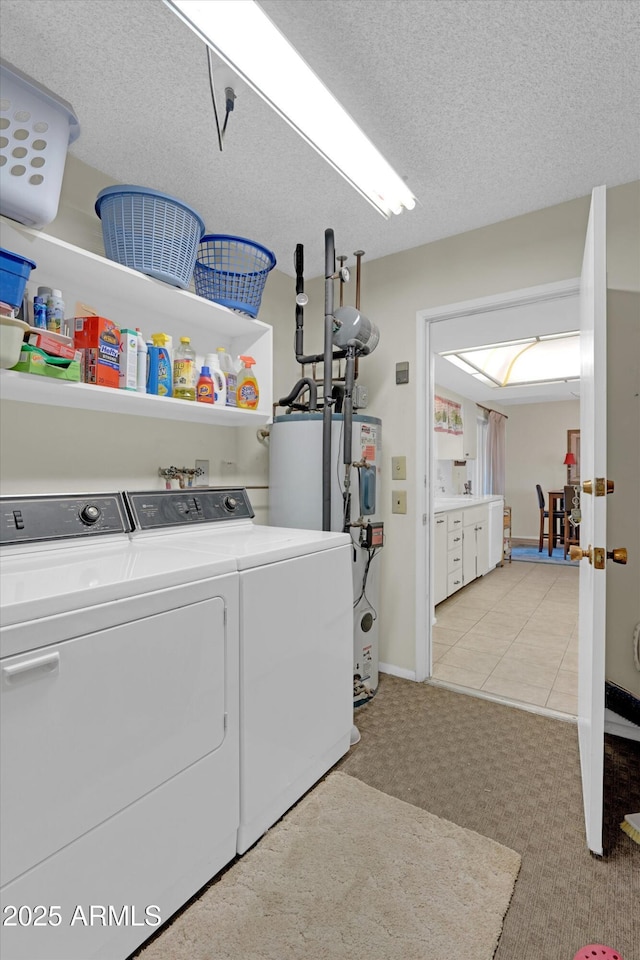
x=34, y=360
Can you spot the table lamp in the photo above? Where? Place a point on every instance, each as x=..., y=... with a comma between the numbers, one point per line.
x=570, y=461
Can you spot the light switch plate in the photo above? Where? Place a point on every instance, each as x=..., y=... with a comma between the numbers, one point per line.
x=402, y=372
x=398, y=501
x=399, y=468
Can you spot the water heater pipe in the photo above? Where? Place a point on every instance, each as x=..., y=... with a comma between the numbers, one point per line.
x=327, y=374
x=301, y=385
x=301, y=300
x=347, y=409
x=298, y=261
x=358, y=254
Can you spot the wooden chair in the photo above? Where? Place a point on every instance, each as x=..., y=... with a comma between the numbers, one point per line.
x=571, y=502
x=558, y=520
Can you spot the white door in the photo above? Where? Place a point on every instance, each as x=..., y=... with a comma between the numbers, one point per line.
x=593, y=527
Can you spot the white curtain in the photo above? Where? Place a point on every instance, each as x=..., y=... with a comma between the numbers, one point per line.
x=496, y=451
x=480, y=478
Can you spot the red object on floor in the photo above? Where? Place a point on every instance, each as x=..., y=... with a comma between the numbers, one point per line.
x=597, y=950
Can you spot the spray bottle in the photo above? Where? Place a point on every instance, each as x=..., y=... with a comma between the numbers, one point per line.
x=248, y=393
x=159, y=366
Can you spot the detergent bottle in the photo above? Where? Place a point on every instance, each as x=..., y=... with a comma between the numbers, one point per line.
x=229, y=370
x=219, y=382
x=205, y=392
x=159, y=366
x=247, y=392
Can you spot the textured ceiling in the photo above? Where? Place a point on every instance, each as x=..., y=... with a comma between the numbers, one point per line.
x=489, y=108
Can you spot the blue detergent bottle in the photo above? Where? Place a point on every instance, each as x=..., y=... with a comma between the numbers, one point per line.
x=159, y=366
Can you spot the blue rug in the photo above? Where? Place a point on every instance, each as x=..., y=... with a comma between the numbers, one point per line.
x=531, y=555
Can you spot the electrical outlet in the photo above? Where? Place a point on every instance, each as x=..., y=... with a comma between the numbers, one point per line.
x=203, y=479
x=399, y=468
x=398, y=501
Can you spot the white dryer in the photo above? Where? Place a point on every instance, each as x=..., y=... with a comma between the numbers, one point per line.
x=119, y=732
x=296, y=638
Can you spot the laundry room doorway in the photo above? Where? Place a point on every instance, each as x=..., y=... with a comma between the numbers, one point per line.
x=483, y=322
x=514, y=320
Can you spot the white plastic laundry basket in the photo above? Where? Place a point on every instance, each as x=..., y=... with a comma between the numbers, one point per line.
x=36, y=128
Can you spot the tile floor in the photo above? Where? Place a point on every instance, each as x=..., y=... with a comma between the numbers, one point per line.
x=513, y=633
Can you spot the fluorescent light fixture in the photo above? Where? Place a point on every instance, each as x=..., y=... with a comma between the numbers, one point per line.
x=547, y=359
x=244, y=37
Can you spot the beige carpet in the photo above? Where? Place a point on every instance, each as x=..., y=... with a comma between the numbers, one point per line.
x=351, y=872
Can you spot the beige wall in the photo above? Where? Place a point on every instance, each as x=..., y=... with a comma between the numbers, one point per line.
x=46, y=448
x=536, y=445
x=623, y=467
x=537, y=248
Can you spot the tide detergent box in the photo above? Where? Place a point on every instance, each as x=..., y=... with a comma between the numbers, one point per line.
x=99, y=338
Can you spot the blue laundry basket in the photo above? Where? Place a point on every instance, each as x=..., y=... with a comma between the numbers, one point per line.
x=232, y=271
x=150, y=231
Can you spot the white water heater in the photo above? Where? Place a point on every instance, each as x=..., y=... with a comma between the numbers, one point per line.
x=295, y=500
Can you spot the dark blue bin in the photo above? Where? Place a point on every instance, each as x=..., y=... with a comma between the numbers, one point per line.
x=14, y=273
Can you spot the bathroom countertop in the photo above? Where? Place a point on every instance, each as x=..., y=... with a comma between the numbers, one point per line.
x=459, y=502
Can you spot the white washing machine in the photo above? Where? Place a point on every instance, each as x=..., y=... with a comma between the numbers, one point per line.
x=119, y=735
x=296, y=640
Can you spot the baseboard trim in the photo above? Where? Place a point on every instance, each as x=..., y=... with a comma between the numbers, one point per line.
x=620, y=726
x=397, y=671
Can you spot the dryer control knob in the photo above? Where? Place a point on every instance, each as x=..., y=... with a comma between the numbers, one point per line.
x=231, y=503
x=90, y=514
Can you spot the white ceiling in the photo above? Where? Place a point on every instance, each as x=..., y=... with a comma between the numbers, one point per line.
x=489, y=108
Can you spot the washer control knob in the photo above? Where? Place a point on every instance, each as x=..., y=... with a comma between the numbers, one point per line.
x=90, y=514
x=231, y=503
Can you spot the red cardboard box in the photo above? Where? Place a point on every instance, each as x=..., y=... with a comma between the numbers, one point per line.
x=100, y=340
x=53, y=347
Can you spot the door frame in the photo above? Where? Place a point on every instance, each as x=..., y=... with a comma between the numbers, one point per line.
x=424, y=479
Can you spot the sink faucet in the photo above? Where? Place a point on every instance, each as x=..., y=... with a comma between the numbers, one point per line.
x=467, y=487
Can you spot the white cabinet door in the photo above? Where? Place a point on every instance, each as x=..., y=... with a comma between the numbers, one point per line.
x=440, y=558
x=482, y=547
x=475, y=548
x=469, y=552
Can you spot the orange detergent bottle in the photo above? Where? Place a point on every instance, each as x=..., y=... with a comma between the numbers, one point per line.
x=248, y=393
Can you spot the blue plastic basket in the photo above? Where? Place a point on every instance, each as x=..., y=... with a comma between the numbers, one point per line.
x=232, y=271
x=14, y=273
x=150, y=232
